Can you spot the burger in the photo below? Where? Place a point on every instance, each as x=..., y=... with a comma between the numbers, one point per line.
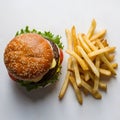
x=33, y=58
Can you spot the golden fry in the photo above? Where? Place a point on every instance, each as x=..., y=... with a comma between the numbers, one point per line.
x=103, y=86
x=97, y=62
x=86, y=75
x=91, y=29
x=95, y=94
x=103, y=58
x=109, y=57
x=95, y=79
x=89, y=43
x=74, y=37
x=79, y=59
x=83, y=44
x=77, y=74
x=98, y=35
x=114, y=65
x=100, y=51
x=104, y=42
x=77, y=90
x=87, y=59
x=66, y=81
x=105, y=72
x=69, y=39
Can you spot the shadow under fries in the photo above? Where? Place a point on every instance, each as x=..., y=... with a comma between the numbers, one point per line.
x=107, y=80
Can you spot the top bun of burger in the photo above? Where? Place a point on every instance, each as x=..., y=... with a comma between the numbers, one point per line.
x=28, y=57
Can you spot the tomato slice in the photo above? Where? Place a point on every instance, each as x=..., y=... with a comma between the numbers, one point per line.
x=61, y=56
x=12, y=77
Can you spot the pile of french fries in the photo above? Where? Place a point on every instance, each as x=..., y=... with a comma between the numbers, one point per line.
x=91, y=57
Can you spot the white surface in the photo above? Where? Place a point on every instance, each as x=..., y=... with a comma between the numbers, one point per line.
x=16, y=103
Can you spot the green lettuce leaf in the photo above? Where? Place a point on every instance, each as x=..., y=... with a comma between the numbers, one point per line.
x=46, y=34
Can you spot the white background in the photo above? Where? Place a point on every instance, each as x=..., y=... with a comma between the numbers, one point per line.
x=54, y=15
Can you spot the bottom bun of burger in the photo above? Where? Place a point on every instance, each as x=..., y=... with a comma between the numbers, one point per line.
x=32, y=60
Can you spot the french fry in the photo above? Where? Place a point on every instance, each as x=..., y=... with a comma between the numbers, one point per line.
x=104, y=42
x=71, y=70
x=66, y=81
x=74, y=37
x=105, y=72
x=103, y=86
x=86, y=75
x=95, y=79
x=100, y=51
x=89, y=43
x=79, y=59
x=103, y=58
x=91, y=29
x=84, y=45
x=98, y=35
x=97, y=62
x=114, y=65
x=77, y=90
x=69, y=39
x=77, y=74
x=95, y=94
x=85, y=91
x=90, y=63
x=109, y=57
x=96, y=83
x=78, y=41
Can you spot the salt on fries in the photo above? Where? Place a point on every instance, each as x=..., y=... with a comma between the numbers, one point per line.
x=90, y=58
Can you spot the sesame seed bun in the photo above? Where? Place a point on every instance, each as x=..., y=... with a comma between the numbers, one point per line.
x=28, y=57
